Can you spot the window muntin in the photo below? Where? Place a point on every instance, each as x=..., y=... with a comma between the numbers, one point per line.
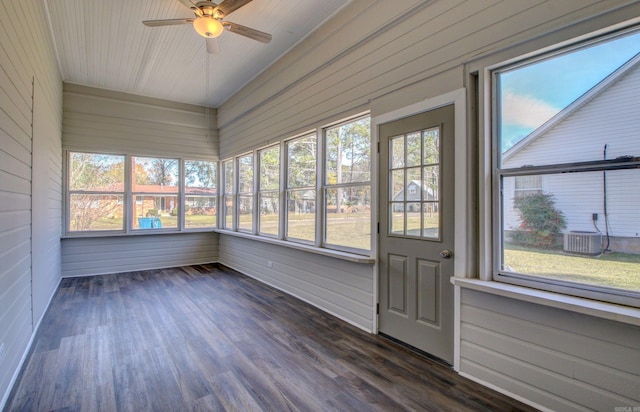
x=269, y=191
x=567, y=124
x=245, y=192
x=347, y=188
x=227, y=199
x=301, y=188
x=200, y=207
x=96, y=192
x=155, y=186
x=414, y=179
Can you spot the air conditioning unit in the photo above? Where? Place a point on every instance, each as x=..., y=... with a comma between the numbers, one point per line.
x=585, y=243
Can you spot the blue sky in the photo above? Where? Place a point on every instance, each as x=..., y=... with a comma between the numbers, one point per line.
x=533, y=94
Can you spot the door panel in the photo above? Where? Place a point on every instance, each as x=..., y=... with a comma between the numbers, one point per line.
x=416, y=224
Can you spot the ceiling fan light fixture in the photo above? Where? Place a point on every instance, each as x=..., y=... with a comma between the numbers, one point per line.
x=208, y=27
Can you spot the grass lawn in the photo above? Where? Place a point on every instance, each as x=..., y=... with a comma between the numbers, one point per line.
x=619, y=270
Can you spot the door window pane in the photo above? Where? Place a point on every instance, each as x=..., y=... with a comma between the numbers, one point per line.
x=414, y=184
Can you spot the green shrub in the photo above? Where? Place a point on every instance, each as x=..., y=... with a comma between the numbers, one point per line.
x=541, y=223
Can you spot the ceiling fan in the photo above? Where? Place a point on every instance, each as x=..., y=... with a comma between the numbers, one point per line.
x=209, y=22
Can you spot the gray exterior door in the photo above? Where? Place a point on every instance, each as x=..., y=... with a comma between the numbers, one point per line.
x=416, y=231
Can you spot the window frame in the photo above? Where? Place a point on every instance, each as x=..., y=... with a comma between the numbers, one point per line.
x=227, y=195
x=241, y=194
x=129, y=197
x=277, y=191
x=325, y=186
x=490, y=162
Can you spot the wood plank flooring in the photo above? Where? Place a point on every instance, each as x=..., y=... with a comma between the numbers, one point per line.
x=205, y=337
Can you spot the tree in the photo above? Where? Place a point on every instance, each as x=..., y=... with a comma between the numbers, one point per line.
x=541, y=223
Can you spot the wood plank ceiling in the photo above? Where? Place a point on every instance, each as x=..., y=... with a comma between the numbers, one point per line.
x=102, y=43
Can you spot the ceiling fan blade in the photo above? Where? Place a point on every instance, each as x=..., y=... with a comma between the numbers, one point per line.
x=229, y=6
x=212, y=45
x=168, y=22
x=247, y=32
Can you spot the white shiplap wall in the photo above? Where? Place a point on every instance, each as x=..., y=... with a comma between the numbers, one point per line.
x=372, y=56
x=562, y=360
x=116, y=254
x=30, y=164
x=106, y=121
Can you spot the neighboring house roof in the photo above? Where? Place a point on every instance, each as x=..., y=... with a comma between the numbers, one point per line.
x=591, y=94
x=415, y=183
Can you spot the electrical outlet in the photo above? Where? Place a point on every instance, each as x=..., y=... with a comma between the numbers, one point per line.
x=269, y=264
x=594, y=216
x=2, y=351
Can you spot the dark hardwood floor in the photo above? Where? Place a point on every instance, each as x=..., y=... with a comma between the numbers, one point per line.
x=208, y=338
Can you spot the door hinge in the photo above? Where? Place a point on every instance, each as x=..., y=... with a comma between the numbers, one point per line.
x=377, y=308
x=378, y=227
x=378, y=147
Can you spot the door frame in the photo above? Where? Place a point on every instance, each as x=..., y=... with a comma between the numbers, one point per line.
x=461, y=266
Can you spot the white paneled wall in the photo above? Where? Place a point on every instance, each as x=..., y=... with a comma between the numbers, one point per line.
x=102, y=255
x=562, y=360
x=30, y=209
x=342, y=288
x=105, y=121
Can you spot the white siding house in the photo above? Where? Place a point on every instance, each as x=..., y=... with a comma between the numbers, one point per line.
x=603, y=122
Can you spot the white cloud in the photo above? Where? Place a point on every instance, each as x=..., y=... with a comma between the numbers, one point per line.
x=525, y=111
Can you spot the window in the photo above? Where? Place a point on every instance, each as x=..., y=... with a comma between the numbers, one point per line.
x=227, y=200
x=269, y=191
x=96, y=192
x=245, y=192
x=155, y=185
x=301, y=188
x=348, y=185
x=527, y=185
x=200, y=207
x=567, y=170
x=415, y=166
x=125, y=194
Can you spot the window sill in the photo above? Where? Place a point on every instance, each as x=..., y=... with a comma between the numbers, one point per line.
x=351, y=257
x=610, y=311
x=143, y=232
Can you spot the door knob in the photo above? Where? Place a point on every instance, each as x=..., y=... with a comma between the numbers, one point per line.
x=446, y=254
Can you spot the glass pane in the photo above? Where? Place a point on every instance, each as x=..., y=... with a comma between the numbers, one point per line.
x=348, y=220
x=582, y=113
x=96, y=172
x=245, y=174
x=348, y=151
x=430, y=220
x=397, y=185
x=301, y=155
x=431, y=139
x=155, y=211
x=228, y=177
x=414, y=185
x=269, y=217
x=245, y=213
x=414, y=224
x=414, y=152
x=397, y=152
x=155, y=175
x=96, y=212
x=228, y=212
x=584, y=227
x=199, y=211
x=397, y=218
x=431, y=183
x=301, y=216
x=200, y=175
x=270, y=168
